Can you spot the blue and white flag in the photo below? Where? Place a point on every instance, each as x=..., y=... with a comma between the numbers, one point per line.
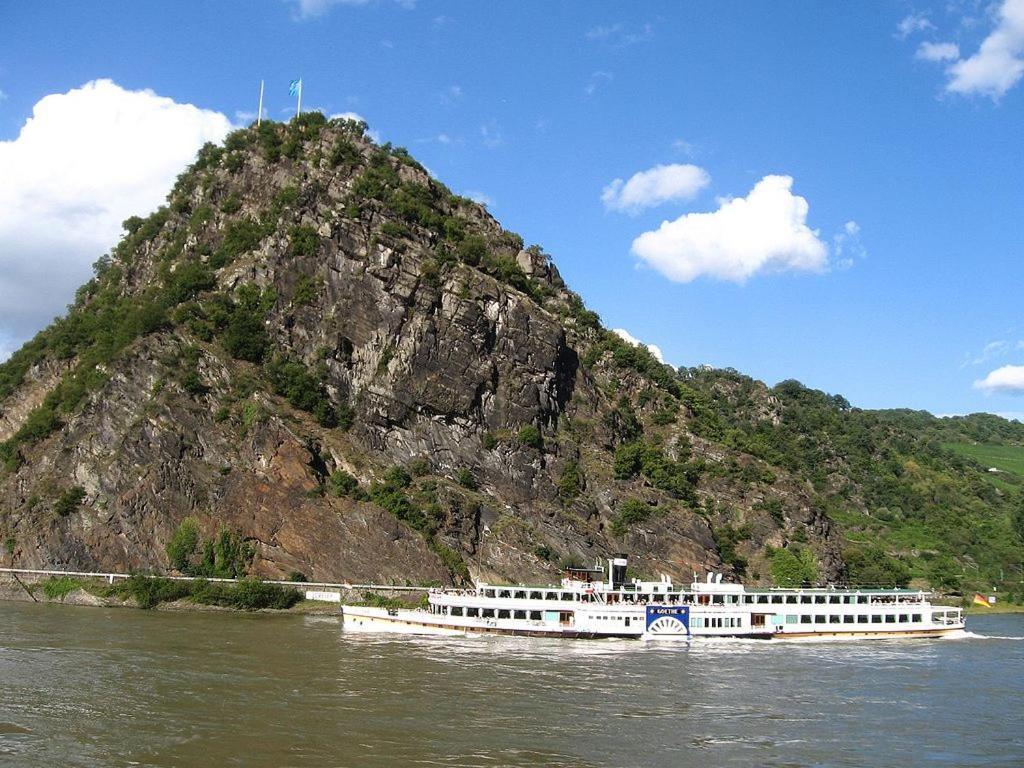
x=294, y=87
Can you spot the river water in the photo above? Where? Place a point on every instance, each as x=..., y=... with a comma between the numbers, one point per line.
x=118, y=687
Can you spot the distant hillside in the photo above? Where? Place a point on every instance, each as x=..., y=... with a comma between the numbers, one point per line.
x=316, y=359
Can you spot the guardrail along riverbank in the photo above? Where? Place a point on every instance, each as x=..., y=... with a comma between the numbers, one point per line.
x=190, y=592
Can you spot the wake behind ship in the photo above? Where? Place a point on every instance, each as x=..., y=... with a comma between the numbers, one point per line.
x=586, y=605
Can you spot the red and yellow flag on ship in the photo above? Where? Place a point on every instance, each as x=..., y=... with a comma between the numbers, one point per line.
x=980, y=599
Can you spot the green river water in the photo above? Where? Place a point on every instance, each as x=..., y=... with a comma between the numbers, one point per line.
x=120, y=687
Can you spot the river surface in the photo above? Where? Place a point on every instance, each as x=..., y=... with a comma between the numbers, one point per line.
x=117, y=687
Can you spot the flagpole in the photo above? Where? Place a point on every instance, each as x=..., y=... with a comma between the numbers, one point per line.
x=259, y=112
x=298, y=110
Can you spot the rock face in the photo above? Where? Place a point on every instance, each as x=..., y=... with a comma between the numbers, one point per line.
x=310, y=307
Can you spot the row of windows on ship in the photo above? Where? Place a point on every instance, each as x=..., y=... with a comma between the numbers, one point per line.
x=695, y=621
x=683, y=598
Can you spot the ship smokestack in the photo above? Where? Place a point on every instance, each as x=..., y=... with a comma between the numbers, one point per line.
x=617, y=570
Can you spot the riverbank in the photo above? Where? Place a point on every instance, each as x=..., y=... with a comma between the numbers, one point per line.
x=979, y=610
x=196, y=595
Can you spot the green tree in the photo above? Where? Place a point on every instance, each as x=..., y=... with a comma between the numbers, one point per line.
x=342, y=483
x=570, y=484
x=69, y=501
x=183, y=544
x=873, y=566
x=529, y=435
x=631, y=512
x=245, y=337
x=793, y=566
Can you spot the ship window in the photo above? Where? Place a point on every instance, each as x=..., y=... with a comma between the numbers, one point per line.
x=876, y=619
x=833, y=599
x=848, y=619
x=520, y=595
x=904, y=618
x=536, y=595
x=777, y=599
x=862, y=599
x=717, y=600
x=519, y=615
x=805, y=619
x=819, y=599
x=697, y=622
x=791, y=619
x=456, y=611
x=790, y=599
x=551, y=596
x=504, y=593
x=862, y=619
x=762, y=599
x=567, y=595
x=916, y=617
x=503, y=614
x=819, y=619
x=748, y=599
x=890, y=618
x=834, y=619
x=654, y=588
x=487, y=613
x=805, y=599
x=488, y=593
x=627, y=621
x=472, y=611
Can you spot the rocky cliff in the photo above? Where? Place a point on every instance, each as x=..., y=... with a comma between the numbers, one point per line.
x=319, y=350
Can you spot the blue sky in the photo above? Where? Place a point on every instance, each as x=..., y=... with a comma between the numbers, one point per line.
x=889, y=269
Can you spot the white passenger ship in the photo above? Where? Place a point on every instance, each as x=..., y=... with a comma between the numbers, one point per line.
x=586, y=605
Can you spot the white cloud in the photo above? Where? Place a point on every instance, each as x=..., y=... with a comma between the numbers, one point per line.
x=480, y=197
x=686, y=147
x=618, y=36
x=1008, y=379
x=597, y=79
x=310, y=9
x=490, y=133
x=992, y=349
x=84, y=162
x=999, y=63
x=915, y=22
x=602, y=32
x=626, y=336
x=938, y=52
x=764, y=231
x=3, y=96
x=847, y=247
x=657, y=185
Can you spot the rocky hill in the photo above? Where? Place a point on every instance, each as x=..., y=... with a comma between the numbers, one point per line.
x=316, y=359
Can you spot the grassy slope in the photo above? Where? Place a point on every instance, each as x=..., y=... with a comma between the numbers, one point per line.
x=1008, y=458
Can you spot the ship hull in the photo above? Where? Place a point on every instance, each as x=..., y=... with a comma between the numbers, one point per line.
x=415, y=622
